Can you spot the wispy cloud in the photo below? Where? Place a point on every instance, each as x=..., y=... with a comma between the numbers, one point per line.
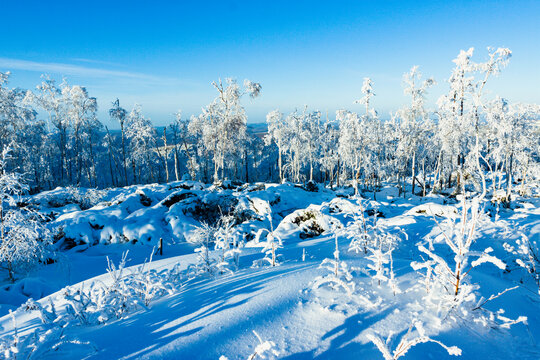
x=74, y=70
x=99, y=62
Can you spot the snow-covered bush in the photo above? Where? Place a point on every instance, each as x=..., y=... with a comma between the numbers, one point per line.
x=377, y=243
x=48, y=340
x=203, y=236
x=358, y=231
x=339, y=276
x=227, y=243
x=458, y=237
x=148, y=284
x=270, y=248
x=262, y=350
x=272, y=243
x=85, y=198
x=81, y=306
x=122, y=293
x=24, y=241
x=407, y=341
x=448, y=291
x=101, y=302
x=377, y=267
x=528, y=257
x=366, y=234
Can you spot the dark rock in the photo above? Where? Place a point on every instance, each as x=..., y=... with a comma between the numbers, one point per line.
x=210, y=210
x=373, y=212
x=145, y=200
x=310, y=227
x=275, y=201
x=181, y=186
x=177, y=197
x=96, y=226
x=311, y=186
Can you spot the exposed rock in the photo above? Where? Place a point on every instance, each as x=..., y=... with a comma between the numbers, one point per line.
x=145, y=200
x=177, y=197
x=311, y=186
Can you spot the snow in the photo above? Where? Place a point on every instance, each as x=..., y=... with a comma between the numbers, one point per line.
x=291, y=312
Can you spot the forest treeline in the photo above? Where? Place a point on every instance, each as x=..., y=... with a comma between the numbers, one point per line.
x=489, y=141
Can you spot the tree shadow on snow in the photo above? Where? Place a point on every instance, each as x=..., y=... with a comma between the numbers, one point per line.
x=185, y=314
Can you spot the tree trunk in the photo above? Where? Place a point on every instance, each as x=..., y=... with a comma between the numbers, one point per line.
x=311, y=168
x=509, y=177
x=280, y=166
x=176, y=175
x=337, y=171
x=247, y=165
x=134, y=171
x=413, y=170
x=165, y=156
x=424, y=176
x=523, y=176
x=124, y=152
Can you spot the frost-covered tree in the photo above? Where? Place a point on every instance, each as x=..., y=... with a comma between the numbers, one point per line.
x=14, y=113
x=311, y=136
x=24, y=240
x=277, y=133
x=351, y=144
x=511, y=127
x=222, y=124
x=33, y=155
x=49, y=98
x=367, y=90
x=359, y=142
x=81, y=115
x=460, y=112
x=298, y=137
x=120, y=114
x=109, y=143
x=141, y=135
x=19, y=125
x=470, y=135
x=183, y=143
x=329, y=156
x=296, y=151
x=413, y=124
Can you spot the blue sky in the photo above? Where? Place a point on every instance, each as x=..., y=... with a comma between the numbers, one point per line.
x=164, y=55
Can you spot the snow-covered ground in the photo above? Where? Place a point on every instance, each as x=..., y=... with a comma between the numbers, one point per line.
x=347, y=308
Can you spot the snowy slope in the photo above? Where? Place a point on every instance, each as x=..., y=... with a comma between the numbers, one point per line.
x=205, y=317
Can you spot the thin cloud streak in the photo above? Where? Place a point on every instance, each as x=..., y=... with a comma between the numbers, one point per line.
x=75, y=70
x=96, y=62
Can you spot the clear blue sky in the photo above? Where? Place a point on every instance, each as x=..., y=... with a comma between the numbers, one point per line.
x=316, y=53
